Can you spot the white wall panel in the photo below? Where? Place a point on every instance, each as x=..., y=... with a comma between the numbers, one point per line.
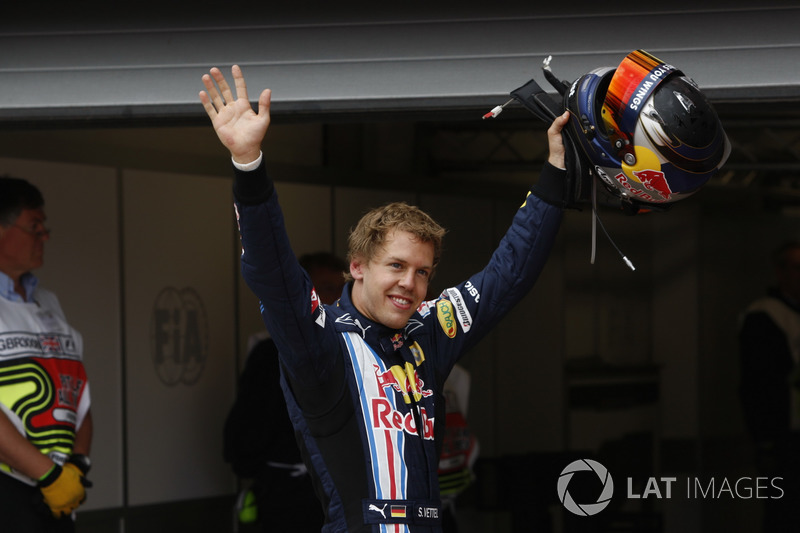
x=180, y=341
x=82, y=268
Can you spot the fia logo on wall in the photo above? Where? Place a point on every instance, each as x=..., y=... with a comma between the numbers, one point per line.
x=179, y=336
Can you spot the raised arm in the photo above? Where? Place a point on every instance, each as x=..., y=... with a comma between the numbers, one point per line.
x=240, y=129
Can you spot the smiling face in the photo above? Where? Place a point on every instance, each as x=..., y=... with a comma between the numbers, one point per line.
x=389, y=288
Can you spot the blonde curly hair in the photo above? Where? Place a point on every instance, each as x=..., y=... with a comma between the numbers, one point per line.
x=369, y=235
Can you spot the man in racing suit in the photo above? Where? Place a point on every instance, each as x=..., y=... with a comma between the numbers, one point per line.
x=363, y=378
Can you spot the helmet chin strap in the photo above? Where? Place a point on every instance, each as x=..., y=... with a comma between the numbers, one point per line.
x=595, y=221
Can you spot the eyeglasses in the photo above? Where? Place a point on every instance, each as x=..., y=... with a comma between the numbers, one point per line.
x=38, y=230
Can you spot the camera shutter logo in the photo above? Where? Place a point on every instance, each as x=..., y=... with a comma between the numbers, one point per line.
x=585, y=509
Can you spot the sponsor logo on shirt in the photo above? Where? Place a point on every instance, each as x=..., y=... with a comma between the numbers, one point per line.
x=424, y=308
x=384, y=417
x=316, y=305
x=464, y=318
x=405, y=381
x=348, y=319
x=20, y=344
x=444, y=311
x=472, y=290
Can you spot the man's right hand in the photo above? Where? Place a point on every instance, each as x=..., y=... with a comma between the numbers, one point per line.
x=63, y=489
x=239, y=128
x=555, y=141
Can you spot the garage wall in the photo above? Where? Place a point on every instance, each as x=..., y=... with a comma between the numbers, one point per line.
x=178, y=289
x=365, y=58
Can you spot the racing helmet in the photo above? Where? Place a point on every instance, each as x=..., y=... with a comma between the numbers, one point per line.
x=645, y=130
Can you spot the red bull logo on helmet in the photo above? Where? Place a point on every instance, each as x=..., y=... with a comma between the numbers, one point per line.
x=654, y=180
x=651, y=180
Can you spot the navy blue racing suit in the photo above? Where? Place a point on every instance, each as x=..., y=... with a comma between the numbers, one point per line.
x=366, y=401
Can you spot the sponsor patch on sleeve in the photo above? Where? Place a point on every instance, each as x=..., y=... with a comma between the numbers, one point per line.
x=444, y=311
x=462, y=313
x=317, y=309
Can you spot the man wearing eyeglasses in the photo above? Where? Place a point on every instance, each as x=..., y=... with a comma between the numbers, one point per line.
x=45, y=423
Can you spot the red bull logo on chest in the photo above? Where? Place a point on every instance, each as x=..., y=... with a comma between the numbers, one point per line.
x=387, y=418
x=406, y=382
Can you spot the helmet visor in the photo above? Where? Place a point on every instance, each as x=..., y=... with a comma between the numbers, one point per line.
x=633, y=83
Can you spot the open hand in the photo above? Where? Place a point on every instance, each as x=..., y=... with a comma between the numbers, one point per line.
x=239, y=128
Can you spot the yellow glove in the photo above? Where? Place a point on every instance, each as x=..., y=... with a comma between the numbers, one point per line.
x=63, y=489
